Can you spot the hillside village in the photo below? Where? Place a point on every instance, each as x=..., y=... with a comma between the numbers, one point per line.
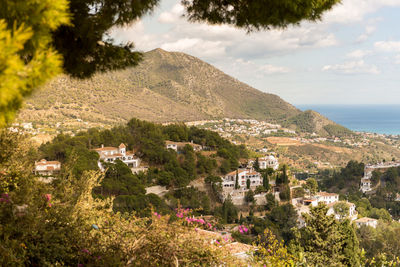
x=251, y=183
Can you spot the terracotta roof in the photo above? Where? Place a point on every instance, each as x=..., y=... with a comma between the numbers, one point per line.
x=114, y=155
x=122, y=145
x=106, y=148
x=365, y=219
x=45, y=162
x=234, y=172
x=326, y=194
x=171, y=143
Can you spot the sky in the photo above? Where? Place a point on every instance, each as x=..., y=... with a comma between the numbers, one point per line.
x=352, y=56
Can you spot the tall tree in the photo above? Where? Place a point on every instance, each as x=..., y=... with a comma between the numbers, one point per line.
x=312, y=186
x=256, y=165
x=237, y=180
x=324, y=241
x=265, y=181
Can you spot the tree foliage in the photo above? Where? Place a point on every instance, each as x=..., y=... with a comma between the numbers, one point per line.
x=257, y=15
x=325, y=241
x=27, y=58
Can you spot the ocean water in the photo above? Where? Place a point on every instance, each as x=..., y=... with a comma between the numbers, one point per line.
x=384, y=119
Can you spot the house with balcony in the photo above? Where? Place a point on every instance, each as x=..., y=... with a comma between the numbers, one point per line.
x=47, y=168
x=111, y=154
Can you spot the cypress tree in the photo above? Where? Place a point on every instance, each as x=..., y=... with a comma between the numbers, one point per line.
x=256, y=165
x=266, y=181
x=237, y=180
x=248, y=183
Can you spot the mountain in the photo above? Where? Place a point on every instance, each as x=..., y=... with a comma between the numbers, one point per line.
x=165, y=87
x=311, y=121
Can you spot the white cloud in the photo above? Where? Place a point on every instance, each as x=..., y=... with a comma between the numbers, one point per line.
x=388, y=46
x=369, y=30
x=397, y=59
x=271, y=69
x=196, y=46
x=171, y=16
x=352, y=67
x=350, y=11
x=358, y=53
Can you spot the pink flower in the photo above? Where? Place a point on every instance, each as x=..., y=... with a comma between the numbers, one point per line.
x=196, y=229
x=48, y=197
x=216, y=241
x=84, y=250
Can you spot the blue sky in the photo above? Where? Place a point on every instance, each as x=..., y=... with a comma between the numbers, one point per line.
x=351, y=57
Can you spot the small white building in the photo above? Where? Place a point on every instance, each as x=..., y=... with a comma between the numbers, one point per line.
x=238, y=195
x=180, y=145
x=268, y=162
x=326, y=197
x=365, y=185
x=111, y=154
x=46, y=168
x=366, y=222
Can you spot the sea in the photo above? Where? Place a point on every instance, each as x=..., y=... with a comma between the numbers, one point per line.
x=382, y=119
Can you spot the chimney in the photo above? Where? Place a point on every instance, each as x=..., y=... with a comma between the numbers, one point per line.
x=102, y=145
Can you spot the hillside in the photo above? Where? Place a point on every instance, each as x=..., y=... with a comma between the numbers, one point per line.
x=311, y=121
x=165, y=87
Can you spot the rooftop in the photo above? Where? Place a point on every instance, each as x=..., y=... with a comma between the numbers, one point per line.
x=365, y=220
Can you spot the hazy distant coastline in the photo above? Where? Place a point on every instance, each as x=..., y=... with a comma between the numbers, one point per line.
x=383, y=119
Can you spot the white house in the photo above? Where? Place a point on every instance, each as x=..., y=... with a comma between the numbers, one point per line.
x=326, y=197
x=180, y=145
x=46, y=168
x=366, y=222
x=365, y=185
x=229, y=180
x=111, y=154
x=268, y=162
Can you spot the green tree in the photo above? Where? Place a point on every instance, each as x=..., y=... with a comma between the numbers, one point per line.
x=265, y=181
x=325, y=241
x=228, y=211
x=237, y=180
x=312, y=186
x=284, y=193
x=341, y=209
x=27, y=58
x=271, y=201
x=256, y=15
x=249, y=197
x=285, y=218
x=256, y=165
x=248, y=183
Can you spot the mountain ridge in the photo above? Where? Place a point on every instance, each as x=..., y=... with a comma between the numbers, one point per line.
x=164, y=87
